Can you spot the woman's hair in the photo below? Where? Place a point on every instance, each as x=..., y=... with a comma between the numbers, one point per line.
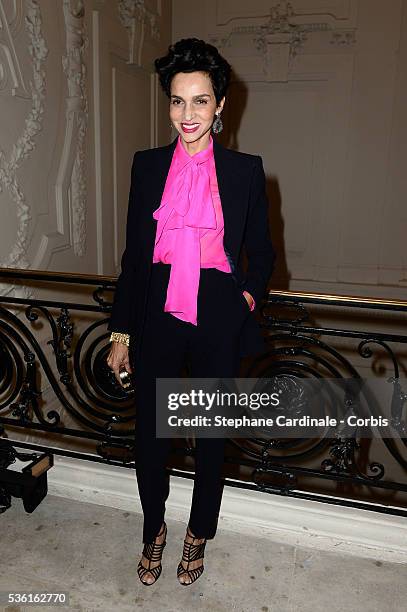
x=190, y=55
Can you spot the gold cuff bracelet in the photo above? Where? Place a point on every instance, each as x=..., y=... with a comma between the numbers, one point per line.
x=119, y=337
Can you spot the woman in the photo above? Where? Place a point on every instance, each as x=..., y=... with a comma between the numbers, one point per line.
x=181, y=297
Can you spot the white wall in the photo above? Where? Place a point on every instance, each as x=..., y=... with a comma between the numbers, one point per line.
x=320, y=91
x=77, y=97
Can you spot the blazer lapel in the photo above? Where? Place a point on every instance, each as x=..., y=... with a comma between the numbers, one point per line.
x=161, y=170
x=227, y=175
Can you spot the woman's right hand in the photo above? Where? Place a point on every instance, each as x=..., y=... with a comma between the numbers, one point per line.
x=118, y=357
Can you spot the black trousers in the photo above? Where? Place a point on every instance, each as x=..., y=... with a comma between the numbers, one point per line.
x=210, y=349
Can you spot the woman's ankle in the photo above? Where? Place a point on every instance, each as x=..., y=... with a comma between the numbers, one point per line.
x=159, y=536
x=191, y=535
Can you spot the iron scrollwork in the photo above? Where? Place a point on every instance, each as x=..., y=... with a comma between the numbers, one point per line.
x=54, y=378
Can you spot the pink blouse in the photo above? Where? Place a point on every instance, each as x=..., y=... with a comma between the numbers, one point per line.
x=212, y=254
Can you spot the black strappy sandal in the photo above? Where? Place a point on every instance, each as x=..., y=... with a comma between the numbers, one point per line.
x=191, y=552
x=153, y=552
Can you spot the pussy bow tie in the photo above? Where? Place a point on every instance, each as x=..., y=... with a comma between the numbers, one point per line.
x=188, y=209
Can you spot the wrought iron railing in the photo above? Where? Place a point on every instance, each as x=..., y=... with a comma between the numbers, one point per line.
x=55, y=384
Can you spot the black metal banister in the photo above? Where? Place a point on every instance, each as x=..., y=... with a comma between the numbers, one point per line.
x=83, y=390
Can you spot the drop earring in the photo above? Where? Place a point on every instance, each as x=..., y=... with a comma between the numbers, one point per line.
x=217, y=125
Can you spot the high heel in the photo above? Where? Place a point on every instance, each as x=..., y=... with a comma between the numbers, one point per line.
x=153, y=552
x=191, y=552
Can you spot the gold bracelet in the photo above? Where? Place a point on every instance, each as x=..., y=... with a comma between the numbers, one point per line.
x=119, y=337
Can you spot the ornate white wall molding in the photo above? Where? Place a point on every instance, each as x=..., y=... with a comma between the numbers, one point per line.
x=135, y=17
x=26, y=142
x=11, y=74
x=343, y=37
x=339, y=11
x=279, y=40
x=283, y=36
x=76, y=117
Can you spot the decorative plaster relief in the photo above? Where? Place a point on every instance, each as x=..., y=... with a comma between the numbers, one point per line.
x=134, y=16
x=25, y=144
x=11, y=74
x=282, y=37
x=76, y=117
x=337, y=10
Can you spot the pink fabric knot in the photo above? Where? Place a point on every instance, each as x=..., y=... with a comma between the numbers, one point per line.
x=187, y=209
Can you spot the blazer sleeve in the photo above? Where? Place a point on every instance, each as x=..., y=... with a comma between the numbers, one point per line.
x=259, y=248
x=123, y=308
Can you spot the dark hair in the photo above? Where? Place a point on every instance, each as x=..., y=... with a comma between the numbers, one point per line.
x=190, y=55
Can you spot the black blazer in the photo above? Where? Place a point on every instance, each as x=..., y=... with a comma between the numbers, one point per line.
x=242, y=190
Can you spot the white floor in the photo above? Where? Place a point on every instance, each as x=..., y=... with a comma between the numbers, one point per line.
x=92, y=551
